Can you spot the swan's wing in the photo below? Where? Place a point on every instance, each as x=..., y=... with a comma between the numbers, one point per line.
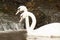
x=49, y=29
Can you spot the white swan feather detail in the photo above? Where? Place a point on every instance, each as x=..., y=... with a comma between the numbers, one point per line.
x=52, y=29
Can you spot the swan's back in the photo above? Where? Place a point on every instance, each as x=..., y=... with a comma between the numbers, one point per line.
x=47, y=30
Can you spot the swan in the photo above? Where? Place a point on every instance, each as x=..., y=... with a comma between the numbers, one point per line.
x=52, y=29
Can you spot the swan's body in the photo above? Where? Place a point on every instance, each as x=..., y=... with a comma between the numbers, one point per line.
x=46, y=30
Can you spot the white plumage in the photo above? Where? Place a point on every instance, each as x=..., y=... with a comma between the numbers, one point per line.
x=52, y=29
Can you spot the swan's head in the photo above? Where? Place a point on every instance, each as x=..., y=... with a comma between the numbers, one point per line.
x=21, y=8
x=22, y=16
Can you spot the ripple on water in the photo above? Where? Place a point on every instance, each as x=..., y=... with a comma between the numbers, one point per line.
x=43, y=38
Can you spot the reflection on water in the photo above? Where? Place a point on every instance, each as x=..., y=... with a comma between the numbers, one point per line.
x=21, y=35
x=42, y=38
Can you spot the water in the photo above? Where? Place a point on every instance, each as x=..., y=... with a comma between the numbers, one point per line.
x=42, y=38
x=22, y=35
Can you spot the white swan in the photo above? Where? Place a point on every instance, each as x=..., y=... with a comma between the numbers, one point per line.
x=52, y=29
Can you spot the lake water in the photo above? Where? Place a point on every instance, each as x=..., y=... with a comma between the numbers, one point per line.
x=21, y=35
x=42, y=38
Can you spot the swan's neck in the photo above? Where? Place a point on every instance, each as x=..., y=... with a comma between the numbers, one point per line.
x=28, y=27
x=33, y=21
x=27, y=23
x=25, y=10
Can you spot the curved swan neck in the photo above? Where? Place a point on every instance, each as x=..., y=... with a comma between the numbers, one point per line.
x=25, y=10
x=33, y=21
x=28, y=27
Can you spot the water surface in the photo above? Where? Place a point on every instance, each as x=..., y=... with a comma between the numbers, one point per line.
x=22, y=35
